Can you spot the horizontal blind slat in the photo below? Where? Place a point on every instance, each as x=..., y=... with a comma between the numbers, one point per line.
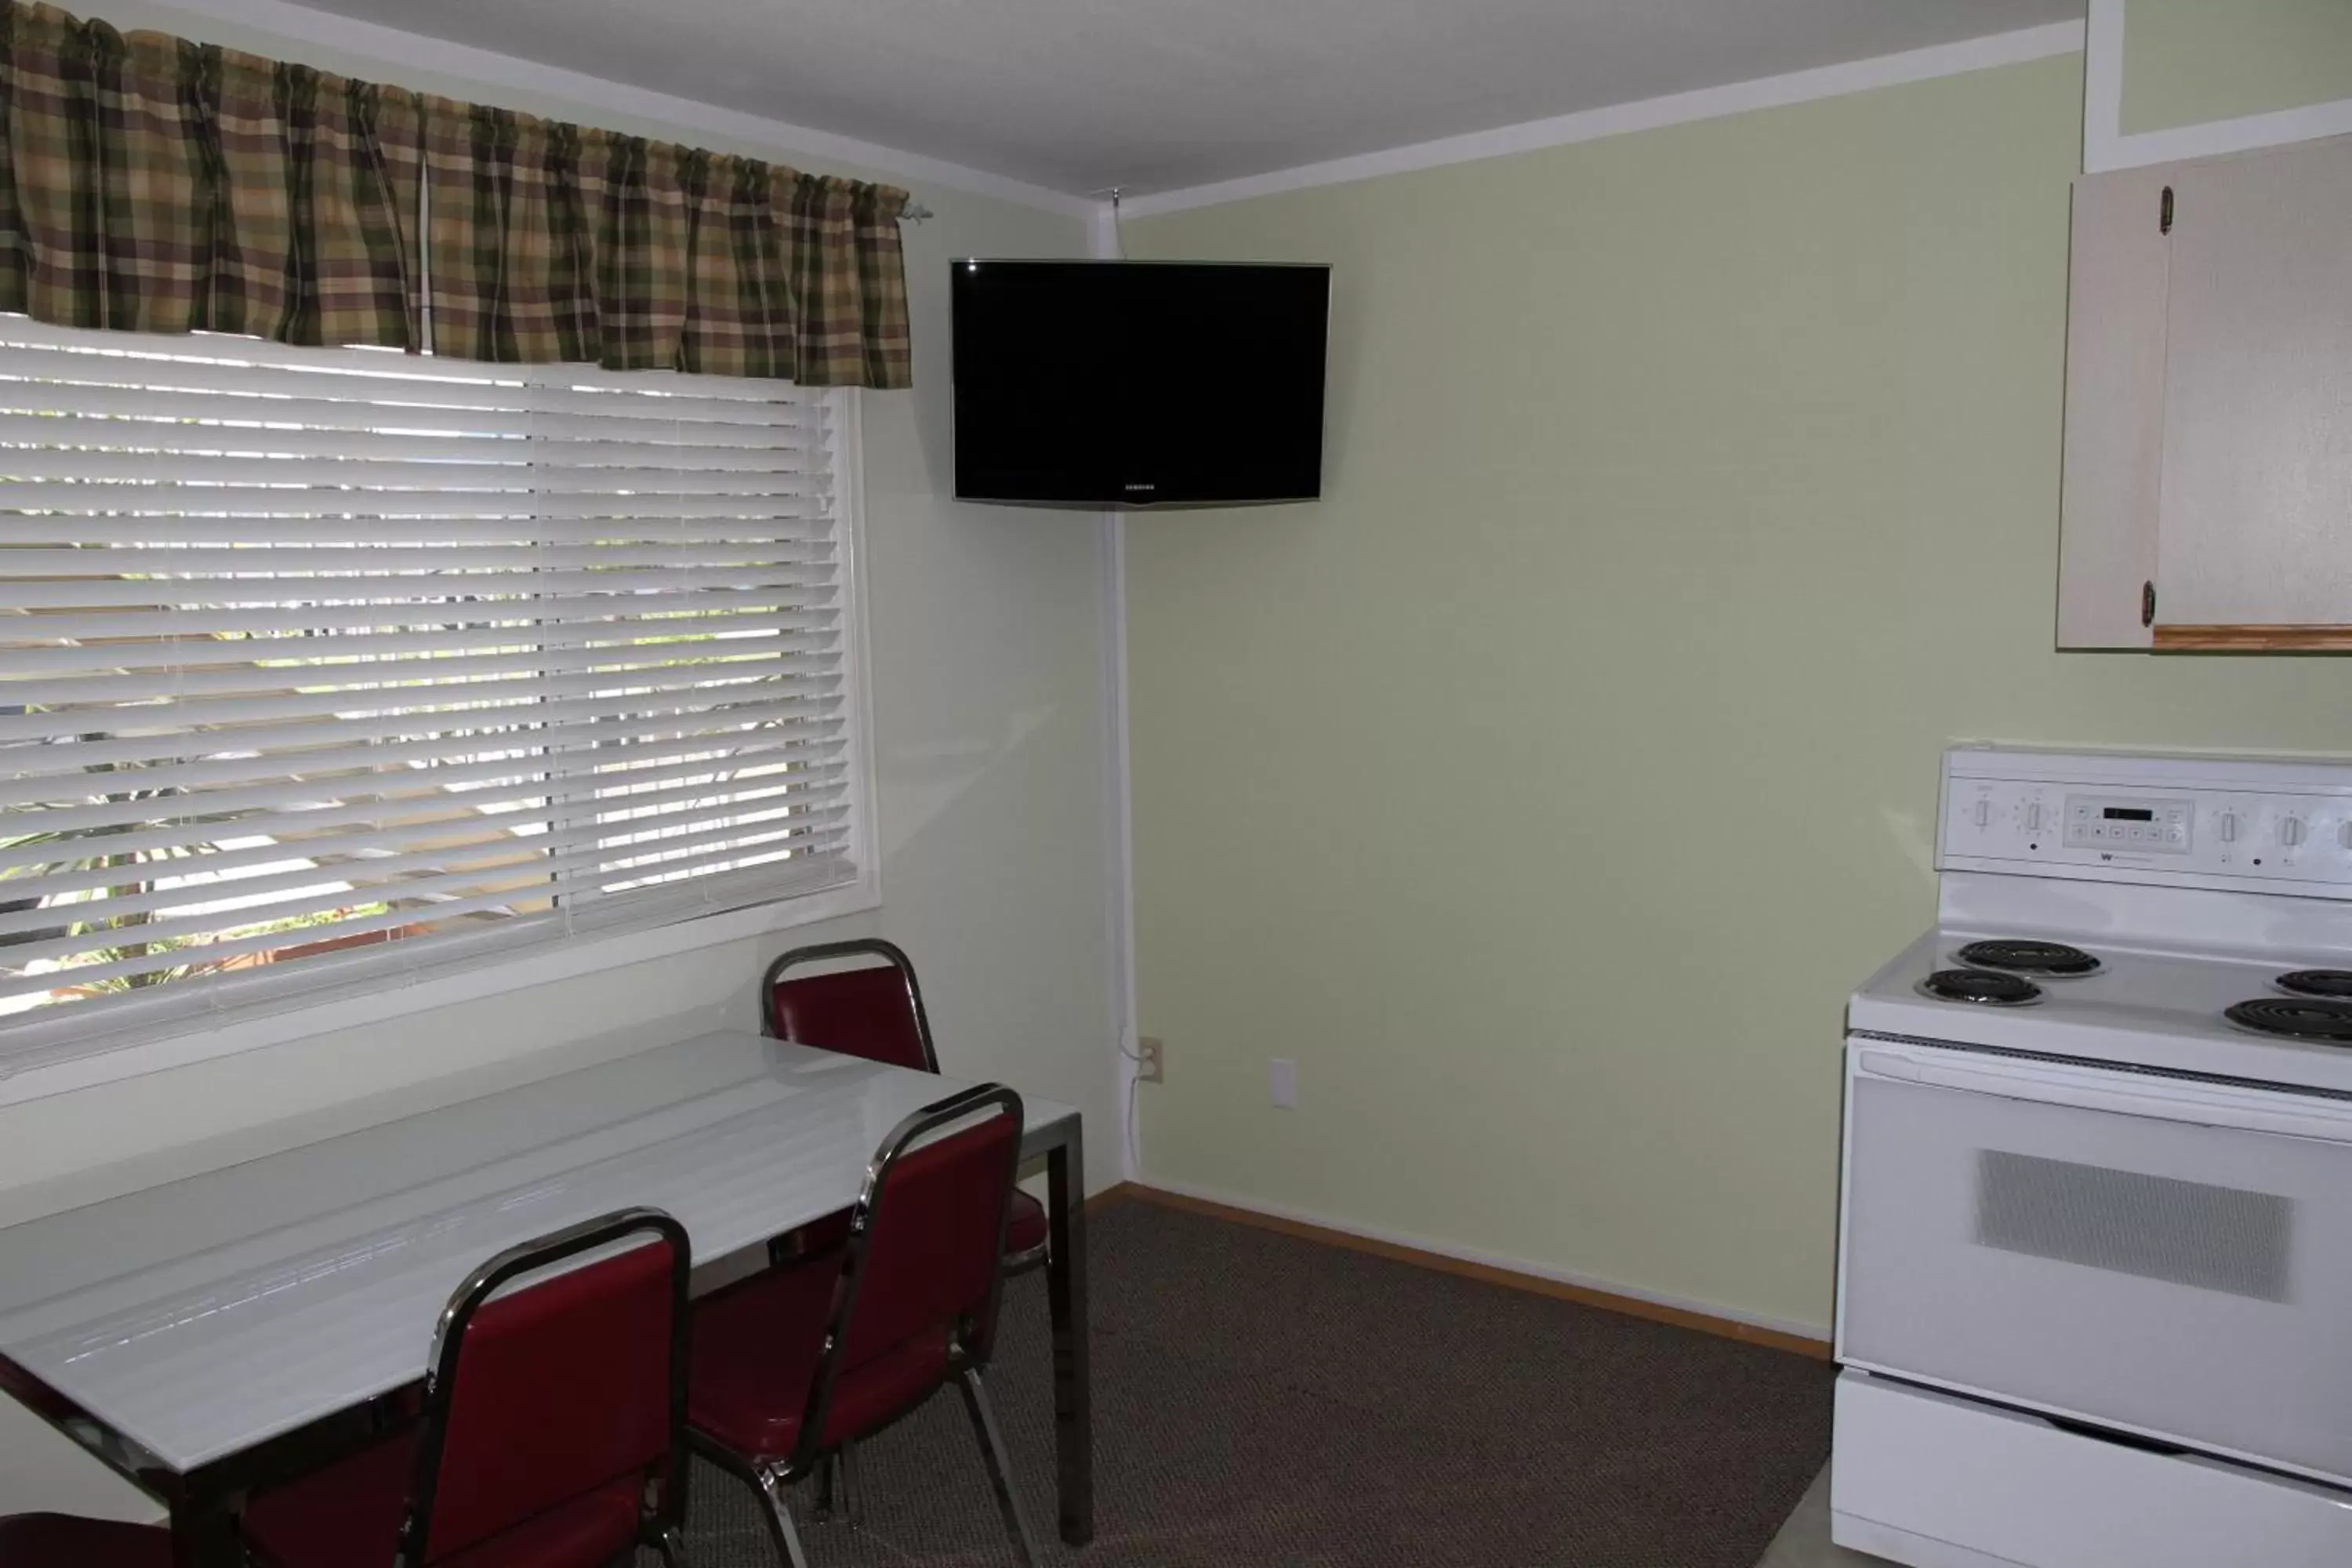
x=441, y=562
x=378, y=510
x=381, y=791
x=818, y=863
x=355, y=672
x=517, y=865
x=190, y=843
x=251, y=365
x=455, y=838
x=232, y=407
x=490, y=592
x=625, y=445
x=291, y=635
x=164, y=532
x=606, y=610
x=520, y=468
x=816, y=719
x=465, y=701
x=501, y=727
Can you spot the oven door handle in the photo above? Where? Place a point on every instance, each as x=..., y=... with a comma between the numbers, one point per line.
x=2275, y=1112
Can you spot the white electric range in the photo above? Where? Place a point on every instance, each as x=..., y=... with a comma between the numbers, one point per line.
x=2094, y=1288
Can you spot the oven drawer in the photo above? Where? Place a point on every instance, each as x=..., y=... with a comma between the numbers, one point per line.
x=2149, y=1254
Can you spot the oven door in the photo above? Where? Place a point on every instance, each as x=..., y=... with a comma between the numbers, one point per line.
x=2159, y=1256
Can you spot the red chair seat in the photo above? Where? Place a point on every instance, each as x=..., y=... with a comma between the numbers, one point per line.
x=60, y=1540
x=351, y=1512
x=1024, y=1224
x=756, y=1349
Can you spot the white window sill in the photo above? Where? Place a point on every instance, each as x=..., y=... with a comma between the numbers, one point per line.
x=200, y=1041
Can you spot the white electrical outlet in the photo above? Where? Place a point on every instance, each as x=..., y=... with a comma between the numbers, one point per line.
x=1284, y=1077
x=1151, y=1060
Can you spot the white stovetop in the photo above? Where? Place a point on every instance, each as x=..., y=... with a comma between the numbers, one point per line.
x=2150, y=1006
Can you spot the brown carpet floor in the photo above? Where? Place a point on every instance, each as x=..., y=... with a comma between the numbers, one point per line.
x=1260, y=1399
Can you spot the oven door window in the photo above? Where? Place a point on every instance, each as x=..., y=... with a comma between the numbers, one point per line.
x=2142, y=1271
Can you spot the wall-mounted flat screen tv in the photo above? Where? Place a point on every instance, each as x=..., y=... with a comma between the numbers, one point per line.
x=1138, y=382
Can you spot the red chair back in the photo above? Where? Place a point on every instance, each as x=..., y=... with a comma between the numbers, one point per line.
x=926, y=1250
x=558, y=1389
x=875, y=1012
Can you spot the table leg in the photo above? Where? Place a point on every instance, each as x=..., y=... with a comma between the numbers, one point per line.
x=1065, y=1286
x=203, y=1534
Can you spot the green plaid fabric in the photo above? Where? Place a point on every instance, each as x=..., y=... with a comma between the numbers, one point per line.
x=842, y=254
x=152, y=184
x=552, y=243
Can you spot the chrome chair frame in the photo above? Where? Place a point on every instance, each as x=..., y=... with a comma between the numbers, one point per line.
x=889, y=953
x=968, y=1351
x=895, y=957
x=662, y=1527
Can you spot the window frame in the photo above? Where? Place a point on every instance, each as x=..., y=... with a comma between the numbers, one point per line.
x=179, y=1037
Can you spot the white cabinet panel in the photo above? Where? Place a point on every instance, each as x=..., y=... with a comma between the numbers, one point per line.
x=2209, y=406
x=2115, y=410
x=2256, y=520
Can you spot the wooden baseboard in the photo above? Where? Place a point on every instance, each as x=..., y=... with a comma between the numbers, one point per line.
x=2253, y=639
x=1118, y=1192
x=1536, y=1284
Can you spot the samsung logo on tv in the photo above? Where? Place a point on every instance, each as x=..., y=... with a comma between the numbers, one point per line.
x=1140, y=486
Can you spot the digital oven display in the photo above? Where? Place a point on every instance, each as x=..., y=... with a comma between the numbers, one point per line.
x=2135, y=827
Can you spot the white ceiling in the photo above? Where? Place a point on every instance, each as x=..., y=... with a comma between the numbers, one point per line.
x=1153, y=95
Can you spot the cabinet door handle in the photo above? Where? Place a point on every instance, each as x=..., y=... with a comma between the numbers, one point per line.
x=2148, y=603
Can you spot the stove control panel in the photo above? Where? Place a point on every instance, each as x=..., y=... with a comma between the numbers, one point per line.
x=2110, y=822
x=2198, y=821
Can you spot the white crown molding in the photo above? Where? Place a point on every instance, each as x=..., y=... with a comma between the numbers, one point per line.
x=418, y=52
x=1649, y=114
x=2105, y=147
x=2103, y=85
x=2220, y=137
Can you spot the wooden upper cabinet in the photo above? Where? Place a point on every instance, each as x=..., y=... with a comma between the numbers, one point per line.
x=2209, y=406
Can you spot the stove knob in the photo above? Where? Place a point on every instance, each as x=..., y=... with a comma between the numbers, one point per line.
x=2290, y=831
x=2344, y=834
x=1984, y=814
x=2034, y=817
x=2228, y=827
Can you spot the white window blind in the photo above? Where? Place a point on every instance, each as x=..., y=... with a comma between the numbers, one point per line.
x=317, y=663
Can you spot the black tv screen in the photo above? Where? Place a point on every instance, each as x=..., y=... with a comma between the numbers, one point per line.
x=1138, y=382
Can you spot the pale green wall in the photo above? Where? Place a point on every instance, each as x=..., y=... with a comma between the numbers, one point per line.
x=1545, y=790
x=991, y=749
x=2186, y=62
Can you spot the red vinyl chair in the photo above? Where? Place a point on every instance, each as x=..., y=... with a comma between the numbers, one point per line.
x=877, y=1011
x=794, y=1363
x=553, y=1427
x=60, y=1540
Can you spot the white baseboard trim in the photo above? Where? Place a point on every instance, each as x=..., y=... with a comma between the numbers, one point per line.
x=1505, y=1262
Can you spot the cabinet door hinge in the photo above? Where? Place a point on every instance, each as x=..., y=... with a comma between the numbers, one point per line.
x=2164, y=214
x=2148, y=603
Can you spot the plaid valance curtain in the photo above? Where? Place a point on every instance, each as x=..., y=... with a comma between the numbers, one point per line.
x=154, y=185
x=551, y=242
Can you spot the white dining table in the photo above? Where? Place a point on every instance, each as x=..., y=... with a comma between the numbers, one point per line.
x=213, y=1334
